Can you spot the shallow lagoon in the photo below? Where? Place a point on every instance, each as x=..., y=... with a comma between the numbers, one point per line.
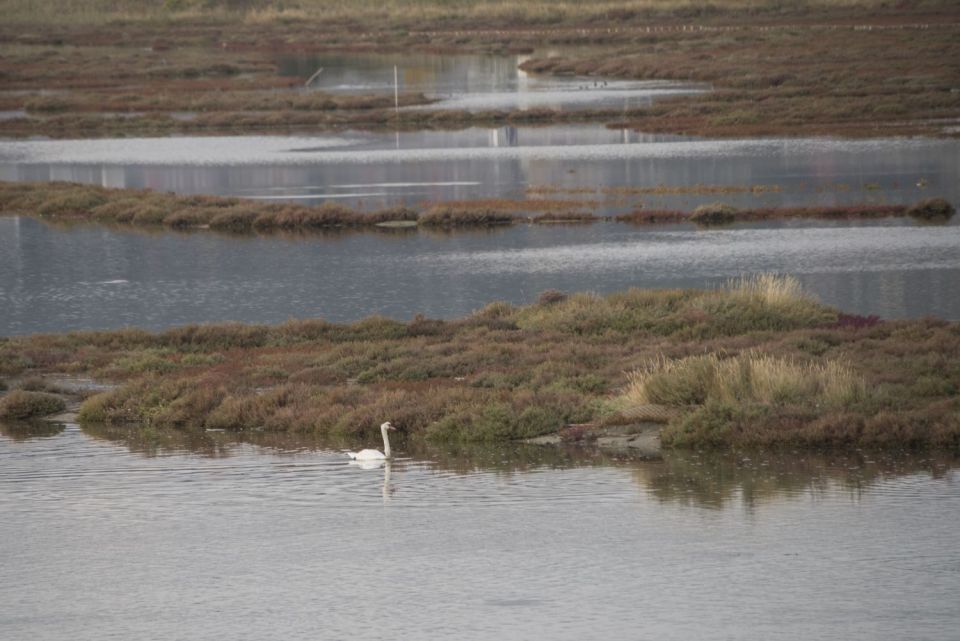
x=201, y=534
x=893, y=268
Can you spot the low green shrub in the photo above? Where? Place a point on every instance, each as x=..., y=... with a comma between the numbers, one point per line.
x=75, y=202
x=444, y=216
x=714, y=214
x=22, y=404
x=932, y=210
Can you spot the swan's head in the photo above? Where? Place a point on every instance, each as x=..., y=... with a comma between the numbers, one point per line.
x=387, y=426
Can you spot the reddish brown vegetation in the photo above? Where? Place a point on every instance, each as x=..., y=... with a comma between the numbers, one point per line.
x=507, y=372
x=60, y=201
x=777, y=69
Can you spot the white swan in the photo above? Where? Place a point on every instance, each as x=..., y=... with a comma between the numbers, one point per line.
x=375, y=455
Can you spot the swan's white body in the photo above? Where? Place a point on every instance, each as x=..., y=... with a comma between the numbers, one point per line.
x=375, y=455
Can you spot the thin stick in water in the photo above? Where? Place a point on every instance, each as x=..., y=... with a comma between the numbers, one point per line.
x=313, y=77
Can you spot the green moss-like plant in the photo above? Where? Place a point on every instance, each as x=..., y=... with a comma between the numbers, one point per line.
x=21, y=404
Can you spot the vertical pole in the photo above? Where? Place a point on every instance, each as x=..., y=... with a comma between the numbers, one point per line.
x=396, y=91
x=396, y=102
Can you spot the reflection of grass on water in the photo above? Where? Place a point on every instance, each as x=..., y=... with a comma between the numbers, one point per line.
x=457, y=457
x=718, y=479
x=157, y=441
x=20, y=431
x=708, y=479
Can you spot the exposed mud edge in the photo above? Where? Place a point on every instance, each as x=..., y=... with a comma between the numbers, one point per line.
x=73, y=390
x=641, y=439
x=70, y=416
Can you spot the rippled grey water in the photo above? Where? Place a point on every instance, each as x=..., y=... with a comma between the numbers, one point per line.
x=57, y=279
x=146, y=534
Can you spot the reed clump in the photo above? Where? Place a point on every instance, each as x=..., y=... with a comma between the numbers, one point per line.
x=744, y=378
x=773, y=289
x=747, y=398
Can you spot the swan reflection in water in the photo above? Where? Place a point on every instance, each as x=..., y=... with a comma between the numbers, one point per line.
x=374, y=464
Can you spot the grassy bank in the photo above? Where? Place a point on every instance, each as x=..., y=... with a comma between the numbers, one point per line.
x=777, y=67
x=795, y=79
x=409, y=13
x=756, y=363
x=73, y=202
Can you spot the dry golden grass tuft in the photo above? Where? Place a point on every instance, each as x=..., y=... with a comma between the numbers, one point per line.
x=773, y=289
x=745, y=378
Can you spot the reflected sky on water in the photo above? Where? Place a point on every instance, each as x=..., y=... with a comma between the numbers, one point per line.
x=608, y=170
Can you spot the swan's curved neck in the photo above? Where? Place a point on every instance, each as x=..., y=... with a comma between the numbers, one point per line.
x=386, y=442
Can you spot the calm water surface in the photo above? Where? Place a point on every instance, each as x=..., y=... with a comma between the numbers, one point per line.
x=57, y=279
x=475, y=82
x=110, y=534
x=61, y=279
x=587, y=163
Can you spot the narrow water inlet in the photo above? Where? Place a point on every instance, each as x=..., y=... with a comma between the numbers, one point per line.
x=475, y=82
